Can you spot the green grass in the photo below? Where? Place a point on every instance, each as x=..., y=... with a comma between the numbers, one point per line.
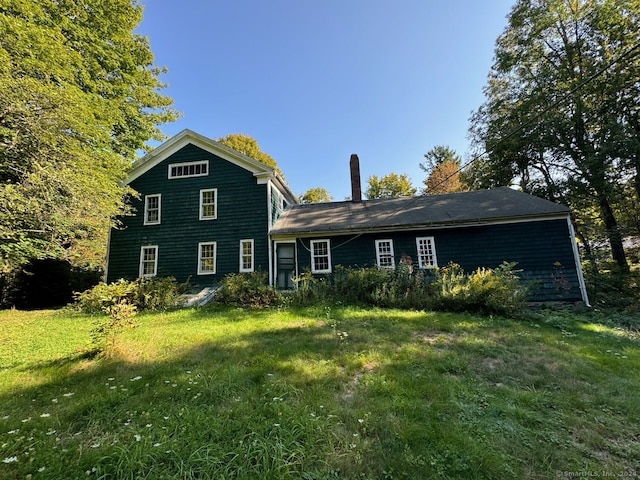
x=319, y=393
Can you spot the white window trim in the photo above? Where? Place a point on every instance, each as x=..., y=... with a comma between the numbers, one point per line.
x=242, y=242
x=421, y=263
x=146, y=209
x=155, y=263
x=215, y=258
x=313, y=258
x=378, y=253
x=187, y=164
x=215, y=204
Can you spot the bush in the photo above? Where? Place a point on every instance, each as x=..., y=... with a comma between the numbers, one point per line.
x=451, y=289
x=154, y=293
x=248, y=290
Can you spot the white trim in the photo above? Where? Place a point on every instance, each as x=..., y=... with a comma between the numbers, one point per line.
x=379, y=253
x=215, y=258
x=251, y=242
x=328, y=255
x=146, y=209
x=155, y=261
x=201, y=215
x=432, y=242
x=576, y=257
x=187, y=164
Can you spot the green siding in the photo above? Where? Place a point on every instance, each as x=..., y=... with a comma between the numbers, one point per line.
x=542, y=250
x=242, y=213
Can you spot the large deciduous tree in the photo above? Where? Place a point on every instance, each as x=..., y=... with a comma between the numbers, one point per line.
x=391, y=185
x=247, y=145
x=79, y=96
x=562, y=109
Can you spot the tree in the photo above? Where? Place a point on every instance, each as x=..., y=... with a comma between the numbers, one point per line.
x=316, y=195
x=79, y=96
x=443, y=168
x=391, y=185
x=562, y=109
x=249, y=146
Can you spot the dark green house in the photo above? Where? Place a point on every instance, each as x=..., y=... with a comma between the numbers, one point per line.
x=205, y=211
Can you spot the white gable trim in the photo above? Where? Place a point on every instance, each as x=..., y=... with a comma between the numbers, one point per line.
x=187, y=137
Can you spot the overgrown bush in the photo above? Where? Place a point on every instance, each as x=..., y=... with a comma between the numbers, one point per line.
x=486, y=290
x=248, y=290
x=154, y=293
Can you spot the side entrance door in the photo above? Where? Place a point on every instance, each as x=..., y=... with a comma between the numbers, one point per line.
x=285, y=265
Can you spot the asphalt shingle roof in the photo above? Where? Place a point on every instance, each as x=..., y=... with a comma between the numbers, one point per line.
x=425, y=211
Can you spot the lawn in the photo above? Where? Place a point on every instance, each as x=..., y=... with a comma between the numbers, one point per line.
x=319, y=393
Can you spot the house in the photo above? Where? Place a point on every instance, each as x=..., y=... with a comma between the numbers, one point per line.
x=205, y=211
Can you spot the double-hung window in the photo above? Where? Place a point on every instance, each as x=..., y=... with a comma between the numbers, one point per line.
x=152, y=209
x=148, y=261
x=209, y=204
x=320, y=256
x=384, y=254
x=246, y=255
x=426, y=252
x=207, y=258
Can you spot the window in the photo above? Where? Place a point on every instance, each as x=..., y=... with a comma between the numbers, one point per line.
x=189, y=169
x=152, y=207
x=246, y=255
x=320, y=256
x=384, y=254
x=149, y=261
x=209, y=204
x=426, y=252
x=207, y=258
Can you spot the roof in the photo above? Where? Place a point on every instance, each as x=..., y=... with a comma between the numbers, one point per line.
x=476, y=207
x=186, y=137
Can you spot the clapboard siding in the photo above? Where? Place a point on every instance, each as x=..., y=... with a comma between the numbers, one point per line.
x=242, y=213
x=541, y=249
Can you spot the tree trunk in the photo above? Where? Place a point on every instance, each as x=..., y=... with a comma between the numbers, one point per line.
x=613, y=233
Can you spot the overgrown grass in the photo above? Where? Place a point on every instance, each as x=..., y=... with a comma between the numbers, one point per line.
x=319, y=393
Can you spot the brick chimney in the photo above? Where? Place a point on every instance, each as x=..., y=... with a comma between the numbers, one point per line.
x=356, y=189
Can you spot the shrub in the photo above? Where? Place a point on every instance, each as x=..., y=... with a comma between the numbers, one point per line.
x=248, y=290
x=154, y=293
x=485, y=291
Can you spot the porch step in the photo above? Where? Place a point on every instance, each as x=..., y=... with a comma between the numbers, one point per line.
x=201, y=298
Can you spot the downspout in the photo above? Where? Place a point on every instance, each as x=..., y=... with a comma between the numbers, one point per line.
x=269, y=242
x=576, y=257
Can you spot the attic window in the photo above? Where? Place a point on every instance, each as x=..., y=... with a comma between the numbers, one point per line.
x=189, y=169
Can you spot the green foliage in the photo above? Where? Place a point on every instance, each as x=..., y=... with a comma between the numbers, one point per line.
x=248, y=290
x=484, y=291
x=145, y=294
x=447, y=289
x=107, y=327
x=249, y=146
x=316, y=195
x=391, y=185
x=79, y=96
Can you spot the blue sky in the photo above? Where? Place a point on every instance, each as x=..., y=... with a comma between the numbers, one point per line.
x=314, y=82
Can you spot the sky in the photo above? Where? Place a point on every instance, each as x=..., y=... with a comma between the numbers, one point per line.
x=316, y=81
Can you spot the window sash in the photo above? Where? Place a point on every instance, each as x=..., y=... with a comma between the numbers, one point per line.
x=320, y=256
x=152, y=209
x=189, y=169
x=209, y=204
x=207, y=258
x=148, y=261
x=426, y=252
x=384, y=254
x=246, y=255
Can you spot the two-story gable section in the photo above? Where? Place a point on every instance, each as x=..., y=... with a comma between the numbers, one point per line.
x=203, y=211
